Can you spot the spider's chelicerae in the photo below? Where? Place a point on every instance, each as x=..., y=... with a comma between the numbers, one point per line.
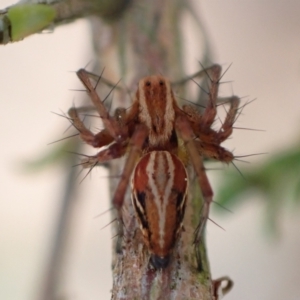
x=153, y=134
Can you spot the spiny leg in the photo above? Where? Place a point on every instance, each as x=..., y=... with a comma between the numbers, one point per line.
x=195, y=119
x=210, y=110
x=208, y=142
x=115, y=127
x=201, y=122
x=136, y=142
x=109, y=122
x=187, y=135
x=199, y=74
x=115, y=150
x=213, y=73
x=96, y=140
x=226, y=128
x=213, y=151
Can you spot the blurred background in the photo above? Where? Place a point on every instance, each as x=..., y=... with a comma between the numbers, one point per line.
x=261, y=39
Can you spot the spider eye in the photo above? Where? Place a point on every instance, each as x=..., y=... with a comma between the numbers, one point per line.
x=161, y=83
x=148, y=83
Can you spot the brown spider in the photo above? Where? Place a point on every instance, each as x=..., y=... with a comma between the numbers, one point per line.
x=160, y=139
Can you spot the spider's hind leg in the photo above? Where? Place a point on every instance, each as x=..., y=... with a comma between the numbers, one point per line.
x=186, y=133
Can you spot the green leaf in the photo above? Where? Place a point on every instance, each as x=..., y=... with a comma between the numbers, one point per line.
x=27, y=19
x=278, y=180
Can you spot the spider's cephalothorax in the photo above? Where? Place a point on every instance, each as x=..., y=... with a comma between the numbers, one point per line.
x=160, y=138
x=157, y=110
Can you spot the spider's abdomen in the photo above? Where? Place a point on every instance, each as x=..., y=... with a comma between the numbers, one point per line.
x=159, y=191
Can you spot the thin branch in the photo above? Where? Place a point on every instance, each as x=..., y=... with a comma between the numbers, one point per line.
x=28, y=17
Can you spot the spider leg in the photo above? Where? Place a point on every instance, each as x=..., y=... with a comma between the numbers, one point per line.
x=115, y=150
x=201, y=122
x=186, y=133
x=116, y=129
x=96, y=140
x=210, y=111
x=115, y=126
x=136, y=143
x=226, y=129
x=195, y=119
x=117, y=132
x=214, y=151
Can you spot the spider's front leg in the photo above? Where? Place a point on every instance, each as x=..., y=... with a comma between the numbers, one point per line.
x=98, y=140
x=210, y=111
x=103, y=138
x=209, y=141
x=201, y=122
x=227, y=127
x=112, y=126
x=115, y=129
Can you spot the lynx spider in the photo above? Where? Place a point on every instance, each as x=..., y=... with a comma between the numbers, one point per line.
x=153, y=132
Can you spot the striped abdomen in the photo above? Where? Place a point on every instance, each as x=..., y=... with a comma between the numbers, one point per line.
x=159, y=191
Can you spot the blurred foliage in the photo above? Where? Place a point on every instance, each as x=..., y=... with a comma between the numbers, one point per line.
x=60, y=154
x=277, y=179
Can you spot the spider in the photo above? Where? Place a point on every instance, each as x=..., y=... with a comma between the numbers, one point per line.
x=159, y=138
